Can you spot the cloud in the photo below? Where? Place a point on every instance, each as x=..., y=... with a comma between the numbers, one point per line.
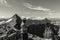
x=4, y=3
x=37, y=7
x=49, y=12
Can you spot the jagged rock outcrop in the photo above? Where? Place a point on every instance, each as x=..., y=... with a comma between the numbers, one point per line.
x=18, y=22
x=10, y=28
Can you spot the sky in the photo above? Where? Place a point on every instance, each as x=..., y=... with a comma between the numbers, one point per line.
x=34, y=8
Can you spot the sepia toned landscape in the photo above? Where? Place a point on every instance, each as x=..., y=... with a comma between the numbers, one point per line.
x=29, y=19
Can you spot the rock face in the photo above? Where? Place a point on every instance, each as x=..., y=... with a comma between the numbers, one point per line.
x=10, y=28
x=36, y=30
x=18, y=22
x=15, y=25
x=41, y=28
